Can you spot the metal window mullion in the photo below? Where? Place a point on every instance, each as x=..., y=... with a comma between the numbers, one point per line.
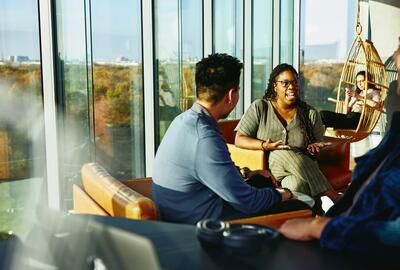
x=276, y=33
x=89, y=79
x=180, y=49
x=296, y=34
x=207, y=27
x=247, y=57
x=49, y=105
x=148, y=84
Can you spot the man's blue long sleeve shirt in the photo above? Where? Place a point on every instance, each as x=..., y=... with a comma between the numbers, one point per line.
x=193, y=173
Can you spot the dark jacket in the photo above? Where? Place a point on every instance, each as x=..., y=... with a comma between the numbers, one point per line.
x=373, y=225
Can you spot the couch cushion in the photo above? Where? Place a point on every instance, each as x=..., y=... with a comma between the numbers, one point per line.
x=253, y=159
x=115, y=197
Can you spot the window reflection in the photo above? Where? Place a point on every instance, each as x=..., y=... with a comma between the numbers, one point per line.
x=286, y=31
x=118, y=87
x=73, y=80
x=228, y=37
x=178, y=46
x=262, y=46
x=21, y=114
x=324, y=43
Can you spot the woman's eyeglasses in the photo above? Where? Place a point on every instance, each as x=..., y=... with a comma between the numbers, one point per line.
x=287, y=83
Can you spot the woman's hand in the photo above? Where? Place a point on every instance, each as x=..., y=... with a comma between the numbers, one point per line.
x=315, y=148
x=349, y=92
x=269, y=145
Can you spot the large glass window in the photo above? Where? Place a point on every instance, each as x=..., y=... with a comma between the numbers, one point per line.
x=73, y=87
x=228, y=36
x=286, y=31
x=178, y=46
x=262, y=46
x=21, y=115
x=325, y=39
x=100, y=87
x=118, y=87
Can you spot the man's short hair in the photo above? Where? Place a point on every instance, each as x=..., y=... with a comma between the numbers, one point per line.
x=215, y=75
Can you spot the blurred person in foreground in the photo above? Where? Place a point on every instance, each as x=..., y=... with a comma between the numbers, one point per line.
x=194, y=177
x=367, y=218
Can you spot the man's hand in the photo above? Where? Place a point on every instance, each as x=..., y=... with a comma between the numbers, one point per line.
x=304, y=229
x=269, y=145
x=315, y=148
x=286, y=194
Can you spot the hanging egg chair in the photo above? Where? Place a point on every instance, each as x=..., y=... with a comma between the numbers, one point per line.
x=362, y=57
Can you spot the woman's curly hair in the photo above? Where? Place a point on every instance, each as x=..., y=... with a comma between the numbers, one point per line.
x=303, y=110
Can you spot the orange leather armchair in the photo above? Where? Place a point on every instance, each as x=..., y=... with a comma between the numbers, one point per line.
x=101, y=194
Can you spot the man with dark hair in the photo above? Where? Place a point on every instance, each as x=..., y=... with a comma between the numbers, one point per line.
x=194, y=176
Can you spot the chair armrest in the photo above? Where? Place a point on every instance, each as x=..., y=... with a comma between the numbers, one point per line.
x=84, y=204
x=141, y=185
x=254, y=159
x=338, y=154
x=274, y=220
x=115, y=197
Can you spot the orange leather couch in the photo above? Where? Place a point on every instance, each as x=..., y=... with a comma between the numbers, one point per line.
x=101, y=194
x=334, y=160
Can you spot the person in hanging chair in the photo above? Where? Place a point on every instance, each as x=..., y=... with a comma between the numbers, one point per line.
x=353, y=105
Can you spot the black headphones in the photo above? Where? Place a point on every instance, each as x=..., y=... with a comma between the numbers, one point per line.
x=239, y=238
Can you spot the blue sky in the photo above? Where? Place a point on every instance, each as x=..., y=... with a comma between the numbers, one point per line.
x=19, y=28
x=114, y=35
x=328, y=28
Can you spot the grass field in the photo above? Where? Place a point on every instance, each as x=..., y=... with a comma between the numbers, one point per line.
x=18, y=203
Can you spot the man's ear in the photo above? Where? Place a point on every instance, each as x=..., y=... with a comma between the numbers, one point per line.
x=230, y=95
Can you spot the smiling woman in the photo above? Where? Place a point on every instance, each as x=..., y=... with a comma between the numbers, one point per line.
x=290, y=130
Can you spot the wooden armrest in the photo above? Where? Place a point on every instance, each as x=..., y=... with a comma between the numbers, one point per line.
x=253, y=159
x=274, y=220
